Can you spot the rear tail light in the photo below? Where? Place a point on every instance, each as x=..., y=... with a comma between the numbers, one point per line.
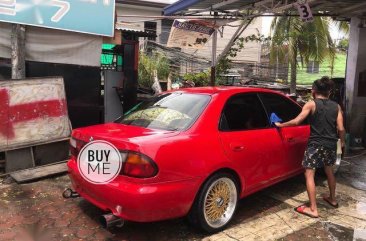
x=139, y=165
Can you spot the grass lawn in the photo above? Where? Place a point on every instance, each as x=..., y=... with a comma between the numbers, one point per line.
x=304, y=78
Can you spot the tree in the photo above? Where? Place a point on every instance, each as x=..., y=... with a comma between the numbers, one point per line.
x=293, y=38
x=343, y=44
x=225, y=63
x=342, y=26
x=199, y=79
x=150, y=63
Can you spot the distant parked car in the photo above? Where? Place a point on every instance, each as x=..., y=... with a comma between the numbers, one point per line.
x=194, y=152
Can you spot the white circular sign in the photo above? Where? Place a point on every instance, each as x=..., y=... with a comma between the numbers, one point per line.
x=99, y=162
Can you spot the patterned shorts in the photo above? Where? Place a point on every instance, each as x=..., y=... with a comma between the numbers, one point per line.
x=317, y=156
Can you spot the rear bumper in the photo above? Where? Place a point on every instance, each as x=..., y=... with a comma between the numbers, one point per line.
x=137, y=202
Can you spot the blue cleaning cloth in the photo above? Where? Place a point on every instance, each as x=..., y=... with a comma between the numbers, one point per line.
x=274, y=118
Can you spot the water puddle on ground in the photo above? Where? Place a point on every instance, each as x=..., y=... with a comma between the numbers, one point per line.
x=354, y=173
x=360, y=185
x=338, y=232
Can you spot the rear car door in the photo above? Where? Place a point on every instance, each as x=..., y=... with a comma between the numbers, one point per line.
x=294, y=138
x=249, y=141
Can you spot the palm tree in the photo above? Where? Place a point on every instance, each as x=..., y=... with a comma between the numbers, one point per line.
x=293, y=38
x=342, y=26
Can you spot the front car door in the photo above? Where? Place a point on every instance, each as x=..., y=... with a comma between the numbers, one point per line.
x=294, y=138
x=249, y=141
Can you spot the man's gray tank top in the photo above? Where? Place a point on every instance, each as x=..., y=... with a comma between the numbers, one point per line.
x=323, y=124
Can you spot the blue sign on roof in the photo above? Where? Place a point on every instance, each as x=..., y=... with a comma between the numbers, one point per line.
x=85, y=16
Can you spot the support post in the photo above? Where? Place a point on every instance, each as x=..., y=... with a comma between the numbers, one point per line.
x=18, y=51
x=169, y=83
x=213, y=58
x=21, y=158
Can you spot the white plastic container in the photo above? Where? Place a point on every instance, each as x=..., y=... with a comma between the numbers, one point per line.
x=339, y=152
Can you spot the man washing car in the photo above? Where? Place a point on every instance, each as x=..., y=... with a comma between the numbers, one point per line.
x=326, y=126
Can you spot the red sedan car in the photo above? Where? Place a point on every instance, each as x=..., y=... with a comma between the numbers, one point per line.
x=194, y=152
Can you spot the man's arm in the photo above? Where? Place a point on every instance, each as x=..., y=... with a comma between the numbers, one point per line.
x=306, y=110
x=340, y=127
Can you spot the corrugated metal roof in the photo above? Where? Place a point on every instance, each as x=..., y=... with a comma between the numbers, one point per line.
x=136, y=32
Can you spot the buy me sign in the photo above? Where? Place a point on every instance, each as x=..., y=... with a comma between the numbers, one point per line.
x=86, y=16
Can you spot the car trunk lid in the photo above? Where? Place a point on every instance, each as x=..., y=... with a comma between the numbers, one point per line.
x=124, y=137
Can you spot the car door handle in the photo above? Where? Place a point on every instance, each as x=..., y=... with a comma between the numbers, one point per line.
x=290, y=139
x=238, y=148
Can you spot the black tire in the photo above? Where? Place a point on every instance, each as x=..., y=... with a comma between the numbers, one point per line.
x=198, y=217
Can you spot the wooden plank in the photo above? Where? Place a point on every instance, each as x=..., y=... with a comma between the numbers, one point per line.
x=39, y=172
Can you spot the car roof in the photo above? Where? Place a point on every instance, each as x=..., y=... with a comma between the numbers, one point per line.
x=227, y=89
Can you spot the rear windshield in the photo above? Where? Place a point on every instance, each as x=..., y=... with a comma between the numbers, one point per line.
x=172, y=111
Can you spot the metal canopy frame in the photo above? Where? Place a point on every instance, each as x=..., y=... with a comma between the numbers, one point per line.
x=336, y=8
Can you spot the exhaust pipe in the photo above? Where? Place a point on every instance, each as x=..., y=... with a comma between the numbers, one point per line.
x=109, y=220
x=69, y=193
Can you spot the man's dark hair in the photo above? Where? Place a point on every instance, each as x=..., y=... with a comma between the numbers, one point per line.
x=323, y=86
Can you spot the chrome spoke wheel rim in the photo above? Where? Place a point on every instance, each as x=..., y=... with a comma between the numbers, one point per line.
x=220, y=202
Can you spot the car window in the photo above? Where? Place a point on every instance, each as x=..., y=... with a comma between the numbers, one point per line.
x=243, y=112
x=281, y=106
x=171, y=111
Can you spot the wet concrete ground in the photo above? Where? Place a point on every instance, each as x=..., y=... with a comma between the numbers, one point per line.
x=36, y=211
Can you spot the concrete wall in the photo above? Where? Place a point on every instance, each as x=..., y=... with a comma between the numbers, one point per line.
x=356, y=64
